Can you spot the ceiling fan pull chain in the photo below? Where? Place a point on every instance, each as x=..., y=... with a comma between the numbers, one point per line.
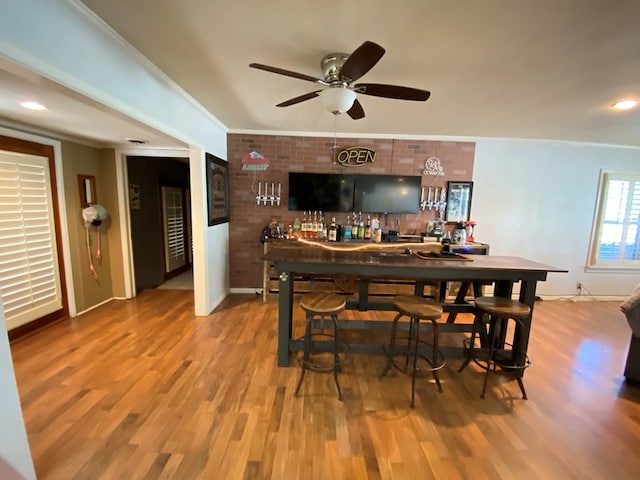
x=335, y=138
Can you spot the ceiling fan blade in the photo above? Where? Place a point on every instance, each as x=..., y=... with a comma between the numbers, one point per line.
x=361, y=61
x=287, y=73
x=392, y=91
x=356, y=111
x=301, y=98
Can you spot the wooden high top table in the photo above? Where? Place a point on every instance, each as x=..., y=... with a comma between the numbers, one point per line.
x=502, y=271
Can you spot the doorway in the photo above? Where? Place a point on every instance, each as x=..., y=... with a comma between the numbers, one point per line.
x=159, y=214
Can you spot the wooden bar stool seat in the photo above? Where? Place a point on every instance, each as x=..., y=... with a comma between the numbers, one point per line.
x=416, y=308
x=320, y=305
x=493, y=354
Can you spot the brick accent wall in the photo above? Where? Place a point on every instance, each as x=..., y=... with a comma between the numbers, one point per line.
x=315, y=154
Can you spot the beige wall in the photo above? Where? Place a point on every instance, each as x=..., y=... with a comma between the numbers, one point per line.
x=83, y=160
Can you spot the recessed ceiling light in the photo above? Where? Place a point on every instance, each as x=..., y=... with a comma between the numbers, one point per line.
x=32, y=105
x=625, y=104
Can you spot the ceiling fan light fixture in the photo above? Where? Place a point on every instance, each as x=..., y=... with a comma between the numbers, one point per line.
x=338, y=99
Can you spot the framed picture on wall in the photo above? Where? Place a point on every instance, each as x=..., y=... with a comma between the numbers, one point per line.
x=458, y=201
x=217, y=189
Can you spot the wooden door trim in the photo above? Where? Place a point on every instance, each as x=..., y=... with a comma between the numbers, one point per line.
x=17, y=145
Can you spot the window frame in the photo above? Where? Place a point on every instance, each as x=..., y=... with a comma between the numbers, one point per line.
x=620, y=264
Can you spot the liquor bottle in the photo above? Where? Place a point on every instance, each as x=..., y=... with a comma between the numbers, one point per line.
x=360, y=227
x=322, y=228
x=314, y=225
x=304, y=227
x=333, y=231
x=297, y=228
x=354, y=227
x=308, y=224
x=367, y=228
x=347, y=228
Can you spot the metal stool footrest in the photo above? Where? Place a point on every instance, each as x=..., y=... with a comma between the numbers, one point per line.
x=314, y=364
x=502, y=360
x=412, y=352
x=407, y=368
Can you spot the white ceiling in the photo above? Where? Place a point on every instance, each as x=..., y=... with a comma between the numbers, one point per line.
x=537, y=69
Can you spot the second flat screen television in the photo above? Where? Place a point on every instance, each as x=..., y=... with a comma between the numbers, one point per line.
x=387, y=193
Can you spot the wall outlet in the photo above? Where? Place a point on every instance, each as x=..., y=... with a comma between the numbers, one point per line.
x=579, y=286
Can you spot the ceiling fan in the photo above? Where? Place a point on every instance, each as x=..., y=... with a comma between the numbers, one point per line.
x=340, y=71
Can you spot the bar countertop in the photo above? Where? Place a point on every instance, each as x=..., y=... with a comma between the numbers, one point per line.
x=395, y=260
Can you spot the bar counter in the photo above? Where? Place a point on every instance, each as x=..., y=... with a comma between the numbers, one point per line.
x=319, y=259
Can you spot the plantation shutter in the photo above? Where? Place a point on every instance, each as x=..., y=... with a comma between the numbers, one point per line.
x=175, y=254
x=619, y=232
x=29, y=275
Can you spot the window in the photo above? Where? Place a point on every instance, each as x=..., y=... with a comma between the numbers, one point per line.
x=174, y=241
x=616, y=235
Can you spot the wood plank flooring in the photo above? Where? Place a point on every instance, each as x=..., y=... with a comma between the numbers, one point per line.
x=143, y=389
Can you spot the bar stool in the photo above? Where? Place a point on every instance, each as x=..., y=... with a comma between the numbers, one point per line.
x=495, y=312
x=416, y=308
x=321, y=304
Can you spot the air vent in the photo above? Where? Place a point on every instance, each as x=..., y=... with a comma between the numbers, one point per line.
x=136, y=141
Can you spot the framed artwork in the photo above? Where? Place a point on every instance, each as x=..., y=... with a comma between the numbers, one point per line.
x=458, y=201
x=87, y=190
x=217, y=189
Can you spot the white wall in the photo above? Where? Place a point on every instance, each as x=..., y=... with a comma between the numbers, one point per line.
x=536, y=199
x=14, y=447
x=63, y=41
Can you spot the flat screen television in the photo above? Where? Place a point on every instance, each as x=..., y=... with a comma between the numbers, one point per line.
x=387, y=193
x=328, y=192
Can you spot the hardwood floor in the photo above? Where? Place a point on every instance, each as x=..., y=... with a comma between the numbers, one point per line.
x=143, y=389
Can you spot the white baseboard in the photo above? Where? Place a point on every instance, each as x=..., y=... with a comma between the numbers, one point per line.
x=254, y=291
x=95, y=306
x=584, y=298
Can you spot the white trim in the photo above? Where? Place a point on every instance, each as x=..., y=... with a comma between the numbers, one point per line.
x=177, y=152
x=122, y=190
x=96, y=306
x=583, y=298
x=62, y=207
x=441, y=138
x=632, y=270
x=252, y=291
x=122, y=181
